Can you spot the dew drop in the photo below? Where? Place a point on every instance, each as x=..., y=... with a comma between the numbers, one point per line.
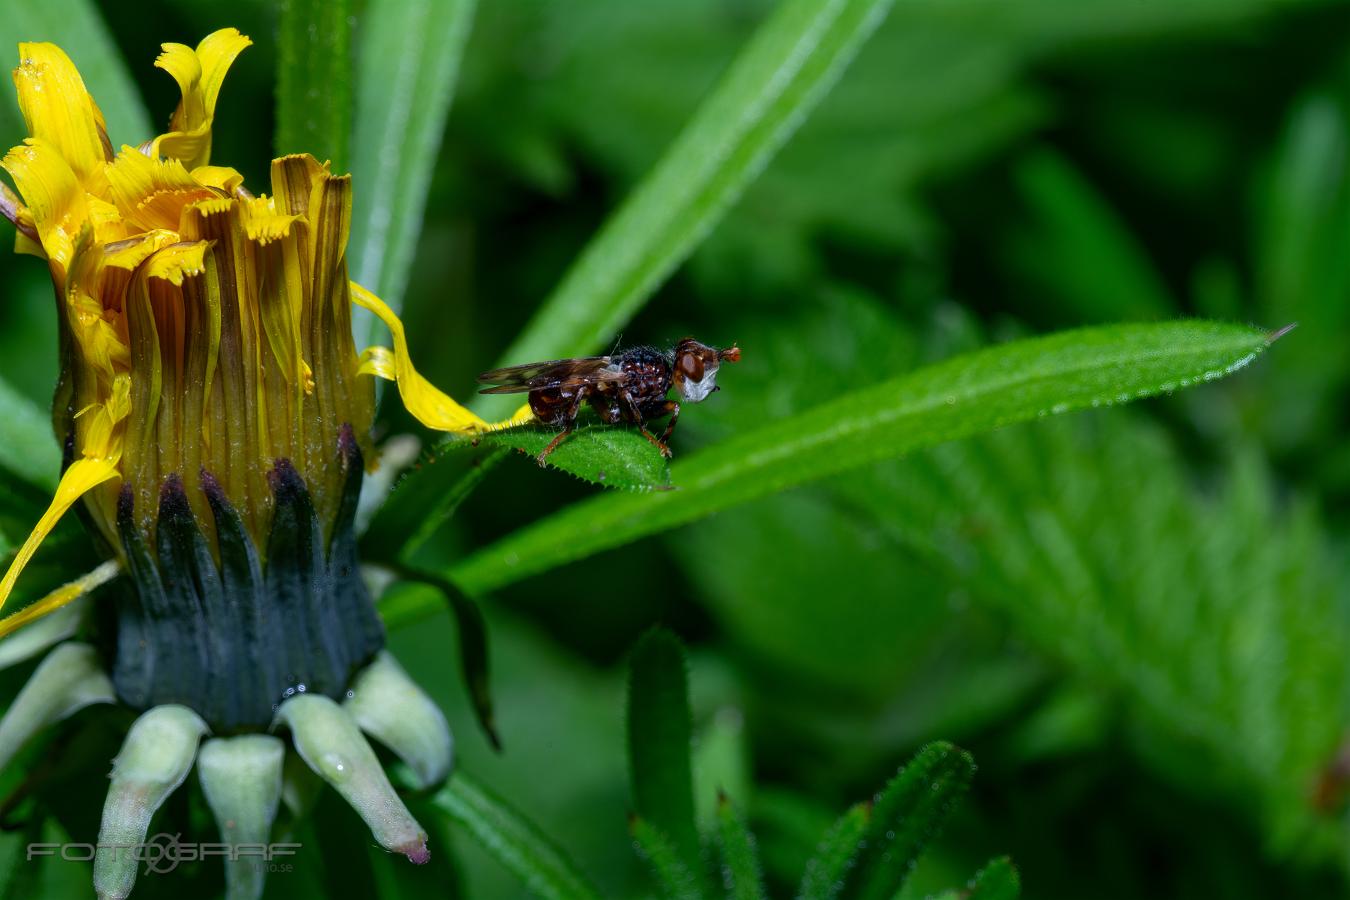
x=335, y=766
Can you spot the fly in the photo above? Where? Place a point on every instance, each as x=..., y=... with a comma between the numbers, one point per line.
x=629, y=386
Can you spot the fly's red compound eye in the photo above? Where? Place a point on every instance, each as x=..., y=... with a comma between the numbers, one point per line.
x=691, y=364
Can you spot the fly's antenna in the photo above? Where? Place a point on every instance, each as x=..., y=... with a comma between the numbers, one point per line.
x=731, y=354
x=617, y=341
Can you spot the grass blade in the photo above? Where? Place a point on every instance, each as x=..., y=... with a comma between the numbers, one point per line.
x=910, y=811
x=29, y=450
x=659, y=738
x=676, y=879
x=314, y=80
x=514, y=842
x=407, y=62
x=789, y=64
x=957, y=398
x=740, y=862
x=77, y=28
x=836, y=855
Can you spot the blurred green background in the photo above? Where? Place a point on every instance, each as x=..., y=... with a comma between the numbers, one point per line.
x=1135, y=619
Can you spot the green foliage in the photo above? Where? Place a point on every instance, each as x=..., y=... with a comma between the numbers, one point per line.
x=909, y=812
x=609, y=457
x=741, y=875
x=783, y=71
x=988, y=389
x=512, y=840
x=1146, y=608
x=659, y=746
x=670, y=867
x=28, y=451
x=1193, y=624
x=836, y=854
x=314, y=87
x=1077, y=250
x=996, y=881
x=407, y=62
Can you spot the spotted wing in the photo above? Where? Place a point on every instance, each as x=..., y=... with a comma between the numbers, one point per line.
x=552, y=373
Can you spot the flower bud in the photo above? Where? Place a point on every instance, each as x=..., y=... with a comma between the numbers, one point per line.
x=155, y=758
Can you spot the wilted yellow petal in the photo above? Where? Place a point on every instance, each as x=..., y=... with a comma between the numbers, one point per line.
x=82, y=476
x=221, y=177
x=58, y=598
x=199, y=74
x=58, y=109
x=424, y=400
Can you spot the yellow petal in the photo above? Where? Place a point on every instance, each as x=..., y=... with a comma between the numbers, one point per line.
x=428, y=404
x=82, y=476
x=51, y=194
x=58, y=598
x=199, y=74
x=58, y=109
x=151, y=193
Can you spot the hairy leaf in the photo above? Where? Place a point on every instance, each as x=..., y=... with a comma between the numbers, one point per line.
x=836, y=855
x=676, y=880
x=741, y=875
x=1193, y=625
x=910, y=811
x=976, y=392
x=512, y=840
x=605, y=455
x=996, y=881
x=659, y=742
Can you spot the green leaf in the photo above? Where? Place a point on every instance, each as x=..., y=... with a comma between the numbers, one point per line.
x=789, y=64
x=740, y=862
x=605, y=455
x=957, y=398
x=424, y=499
x=428, y=496
x=672, y=873
x=408, y=54
x=512, y=840
x=473, y=648
x=659, y=741
x=77, y=28
x=909, y=812
x=314, y=80
x=28, y=451
x=1078, y=251
x=996, y=881
x=1190, y=629
x=824, y=876
x=721, y=765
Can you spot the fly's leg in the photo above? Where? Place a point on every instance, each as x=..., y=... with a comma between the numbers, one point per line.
x=553, y=445
x=635, y=415
x=568, y=420
x=673, y=409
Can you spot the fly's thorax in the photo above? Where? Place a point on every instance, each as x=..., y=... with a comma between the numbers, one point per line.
x=647, y=374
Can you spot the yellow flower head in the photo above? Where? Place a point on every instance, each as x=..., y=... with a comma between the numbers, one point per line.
x=205, y=332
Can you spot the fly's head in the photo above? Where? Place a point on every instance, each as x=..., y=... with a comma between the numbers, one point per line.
x=696, y=366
